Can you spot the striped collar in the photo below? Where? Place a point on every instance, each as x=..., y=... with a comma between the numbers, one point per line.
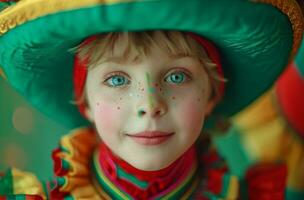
x=118, y=183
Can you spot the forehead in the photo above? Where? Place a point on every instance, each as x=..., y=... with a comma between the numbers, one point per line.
x=136, y=59
x=135, y=46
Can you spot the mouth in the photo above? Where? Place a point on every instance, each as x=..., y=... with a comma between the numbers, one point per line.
x=150, y=137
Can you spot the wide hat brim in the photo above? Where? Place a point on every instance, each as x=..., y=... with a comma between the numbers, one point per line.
x=255, y=39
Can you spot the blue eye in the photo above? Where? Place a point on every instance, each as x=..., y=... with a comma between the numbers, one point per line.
x=176, y=77
x=117, y=81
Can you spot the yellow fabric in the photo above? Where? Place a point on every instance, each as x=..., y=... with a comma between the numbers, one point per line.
x=26, y=183
x=233, y=189
x=27, y=10
x=262, y=107
x=78, y=148
x=293, y=154
x=102, y=193
x=189, y=192
x=267, y=137
x=262, y=126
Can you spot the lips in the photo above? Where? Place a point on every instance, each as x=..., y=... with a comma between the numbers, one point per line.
x=150, y=137
x=150, y=134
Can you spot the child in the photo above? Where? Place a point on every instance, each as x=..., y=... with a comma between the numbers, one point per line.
x=140, y=91
x=146, y=93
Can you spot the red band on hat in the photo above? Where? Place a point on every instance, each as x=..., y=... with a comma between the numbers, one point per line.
x=290, y=95
x=80, y=67
x=80, y=75
x=214, y=55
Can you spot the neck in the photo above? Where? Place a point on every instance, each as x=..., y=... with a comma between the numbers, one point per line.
x=176, y=179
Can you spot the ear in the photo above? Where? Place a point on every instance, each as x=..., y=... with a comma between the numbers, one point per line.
x=89, y=114
x=209, y=107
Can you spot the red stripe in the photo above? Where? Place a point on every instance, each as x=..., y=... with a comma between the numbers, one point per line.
x=80, y=75
x=213, y=55
x=289, y=91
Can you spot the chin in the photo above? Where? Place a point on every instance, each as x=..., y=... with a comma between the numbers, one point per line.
x=150, y=165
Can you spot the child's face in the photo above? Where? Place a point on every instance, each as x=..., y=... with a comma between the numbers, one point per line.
x=157, y=93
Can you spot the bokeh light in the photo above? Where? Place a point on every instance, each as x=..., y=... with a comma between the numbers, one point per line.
x=2, y=75
x=23, y=120
x=14, y=155
x=23, y=130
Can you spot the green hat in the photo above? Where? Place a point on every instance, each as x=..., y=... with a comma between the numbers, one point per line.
x=255, y=38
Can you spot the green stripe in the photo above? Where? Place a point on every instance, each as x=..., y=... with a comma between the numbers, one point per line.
x=68, y=197
x=62, y=148
x=116, y=193
x=45, y=188
x=17, y=197
x=6, y=183
x=230, y=146
x=106, y=184
x=226, y=182
x=151, y=89
x=4, y=5
x=131, y=178
x=299, y=60
x=210, y=195
x=182, y=189
x=294, y=194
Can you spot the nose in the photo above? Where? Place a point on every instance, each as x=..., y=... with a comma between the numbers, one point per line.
x=151, y=105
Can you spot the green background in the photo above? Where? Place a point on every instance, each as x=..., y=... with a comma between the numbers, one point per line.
x=27, y=137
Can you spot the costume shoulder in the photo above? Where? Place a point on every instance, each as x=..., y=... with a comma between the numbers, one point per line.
x=15, y=184
x=72, y=167
x=217, y=181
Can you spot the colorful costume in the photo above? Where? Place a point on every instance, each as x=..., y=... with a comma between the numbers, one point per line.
x=86, y=169
x=36, y=39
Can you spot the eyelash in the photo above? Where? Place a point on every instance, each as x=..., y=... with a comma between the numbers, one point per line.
x=176, y=71
x=126, y=77
x=113, y=74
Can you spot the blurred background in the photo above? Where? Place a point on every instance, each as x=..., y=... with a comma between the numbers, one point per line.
x=27, y=137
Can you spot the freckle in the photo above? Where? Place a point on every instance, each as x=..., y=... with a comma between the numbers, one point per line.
x=98, y=104
x=120, y=98
x=118, y=108
x=156, y=84
x=198, y=99
x=173, y=98
x=142, y=89
x=160, y=89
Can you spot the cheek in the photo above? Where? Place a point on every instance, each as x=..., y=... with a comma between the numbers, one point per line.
x=192, y=114
x=106, y=116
